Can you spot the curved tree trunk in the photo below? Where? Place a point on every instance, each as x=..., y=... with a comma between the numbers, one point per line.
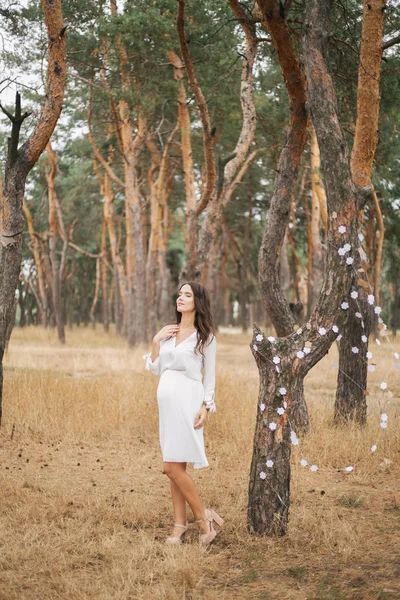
x=288, y=167
x=281, y=381
x=20, y=161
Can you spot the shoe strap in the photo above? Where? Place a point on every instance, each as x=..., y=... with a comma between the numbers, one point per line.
x=179, y=525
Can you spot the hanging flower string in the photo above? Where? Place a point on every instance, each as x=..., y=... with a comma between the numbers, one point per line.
x=322, y=331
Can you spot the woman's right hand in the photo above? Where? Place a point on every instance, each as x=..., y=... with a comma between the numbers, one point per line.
x=166, y=332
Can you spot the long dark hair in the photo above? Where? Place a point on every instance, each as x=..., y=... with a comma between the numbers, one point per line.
x=203, y=320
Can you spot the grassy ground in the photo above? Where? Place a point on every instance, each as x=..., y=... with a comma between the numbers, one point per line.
x=85, y=507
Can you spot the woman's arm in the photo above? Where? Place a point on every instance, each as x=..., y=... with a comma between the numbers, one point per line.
x=153, y=363
x=210, y=352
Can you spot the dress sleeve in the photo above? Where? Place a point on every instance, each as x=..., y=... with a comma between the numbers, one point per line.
x=210, y=352
x=154, y=367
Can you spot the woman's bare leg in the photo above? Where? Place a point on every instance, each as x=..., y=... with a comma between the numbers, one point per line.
x=187, y=489
x=179, y=504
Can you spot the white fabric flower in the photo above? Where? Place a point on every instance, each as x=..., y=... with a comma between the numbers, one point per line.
x=272, y=426
x=335, y=329
x=339, y=337
x=396, y=355
x=369, y=354
x=384, y=417
x=262, y=475
x=371, y=299
x=344, y=305
x=355, y=350
x=347, y=247
x=322, y=331
x=290, y=225
x=371, y=368
x=377, y=341
x=303, y=462
x=262, y=407
x=300, y=354
x=373, y=448
x=276, y=360
x=255, y=347
x=377, y=310
x=293, y=438
x=354, y=294
x=280, y=411
x=383, y=385
x=384, y=425
x=364, y=339
x=259, y=337
x=271, y=339
x=380, y=320
x=342, y=229
x=306, y=350
x=349, y=260
x=341, y=251
x=360, y=237
x=283, y=391
x=270, y=464
x=349, y=469
x=314, y=468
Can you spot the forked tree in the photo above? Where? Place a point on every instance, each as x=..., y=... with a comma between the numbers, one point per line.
x=20, y=160
x=284, y=363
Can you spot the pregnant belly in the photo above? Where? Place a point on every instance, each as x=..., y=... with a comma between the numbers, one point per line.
x=174, y=386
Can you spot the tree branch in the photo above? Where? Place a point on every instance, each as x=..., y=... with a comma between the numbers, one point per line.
x=208, y=132
x=390, y=43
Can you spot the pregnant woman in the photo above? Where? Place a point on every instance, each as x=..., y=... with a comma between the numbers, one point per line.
x=178, y=354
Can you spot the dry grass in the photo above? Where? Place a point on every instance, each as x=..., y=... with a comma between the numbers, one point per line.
x=85, y=507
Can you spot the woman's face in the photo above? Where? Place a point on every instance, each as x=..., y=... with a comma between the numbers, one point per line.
x=185, y=300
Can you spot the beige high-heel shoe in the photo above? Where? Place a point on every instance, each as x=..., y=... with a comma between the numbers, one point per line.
x=178, y=538
x=209, y=515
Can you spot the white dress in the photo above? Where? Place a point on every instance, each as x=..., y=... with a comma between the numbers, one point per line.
x=180, y=393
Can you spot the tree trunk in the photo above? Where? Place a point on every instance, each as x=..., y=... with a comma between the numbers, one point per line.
x=217, y=189
x=283, y=363
x=20, y=161
x=278, y=217
x=315, y=261
x=21, y=303
x=351, y=402
x=96, y=294
x=104, y=279
x=43, y=305
x=55, y=267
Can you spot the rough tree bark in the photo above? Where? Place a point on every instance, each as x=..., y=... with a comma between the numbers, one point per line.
x=351, y=400
x=288, y=167
x=269, y=494
x=21, y=160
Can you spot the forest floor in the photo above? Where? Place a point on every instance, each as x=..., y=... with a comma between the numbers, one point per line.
x=85, y=507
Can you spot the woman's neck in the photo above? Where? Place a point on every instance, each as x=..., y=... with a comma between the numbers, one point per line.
x=187, y=321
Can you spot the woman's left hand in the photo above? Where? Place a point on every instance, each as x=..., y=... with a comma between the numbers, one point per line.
x=200, y=418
